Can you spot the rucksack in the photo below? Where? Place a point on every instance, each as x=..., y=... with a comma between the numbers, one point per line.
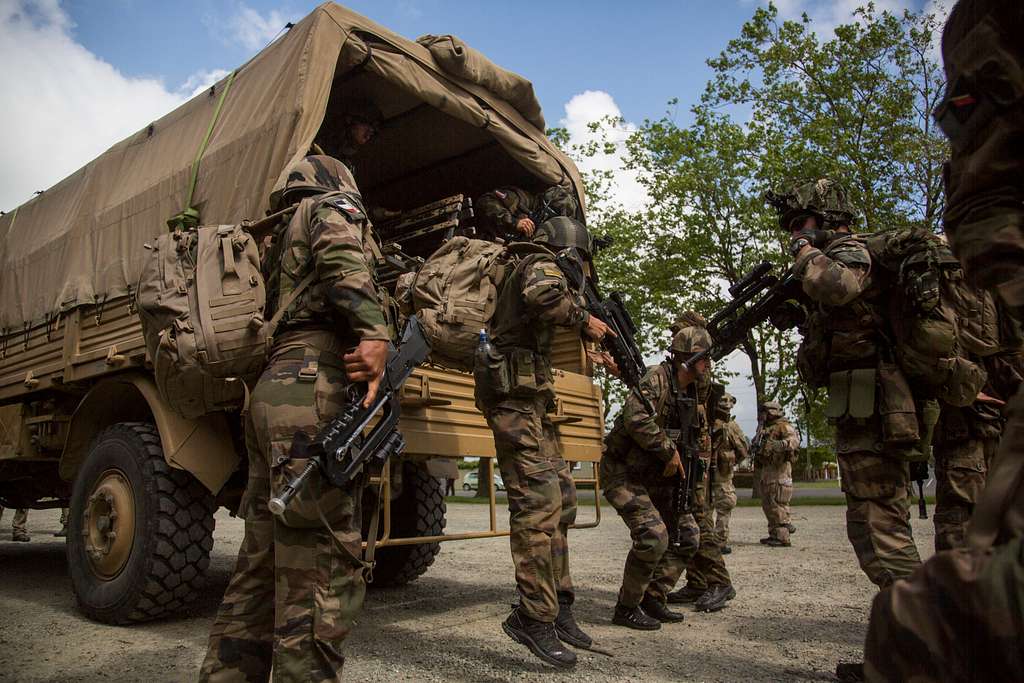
x=937, y=319
x=201, y=298
x=454, y=294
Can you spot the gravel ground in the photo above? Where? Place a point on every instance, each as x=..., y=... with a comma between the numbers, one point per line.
x=797, y=612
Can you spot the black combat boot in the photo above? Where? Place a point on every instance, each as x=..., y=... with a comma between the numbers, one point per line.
x=540, y=638
x=686, y=595
x=792, y=528
x=726, y=550
x=850, y=672
x=635, y=617
x=715, y=598
x=659, y=610
x=773, y=542
x=566, y=628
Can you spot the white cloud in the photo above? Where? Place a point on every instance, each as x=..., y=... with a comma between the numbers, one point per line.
x=253, y=30
x=591, y=106
x=827, y=14
x=63, y=105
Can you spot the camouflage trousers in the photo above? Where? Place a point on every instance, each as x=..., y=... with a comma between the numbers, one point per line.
x=724, y=501
x=297, y=587
x=20, y=524
x=707, y=567
x=653, y=565
x=878, y=515
x=776, y=492
x=541, y=502
x=960, y=470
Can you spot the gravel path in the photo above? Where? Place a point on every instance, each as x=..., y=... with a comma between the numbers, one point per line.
x=797, y=612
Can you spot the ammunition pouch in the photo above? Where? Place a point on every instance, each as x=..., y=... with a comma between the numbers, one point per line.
x=896, y=406
x=851, y=394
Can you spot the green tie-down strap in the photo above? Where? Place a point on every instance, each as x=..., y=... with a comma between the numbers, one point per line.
x=189, y=217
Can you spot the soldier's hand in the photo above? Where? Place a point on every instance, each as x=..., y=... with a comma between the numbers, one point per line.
x=525, y=226
x=366, y=364
x=596, y=329
x=985, y=398
x=674, y=467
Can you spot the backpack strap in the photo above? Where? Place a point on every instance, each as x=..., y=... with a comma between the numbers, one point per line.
x=288, y=301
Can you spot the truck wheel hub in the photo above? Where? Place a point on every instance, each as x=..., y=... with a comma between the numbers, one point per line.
x=108, y=524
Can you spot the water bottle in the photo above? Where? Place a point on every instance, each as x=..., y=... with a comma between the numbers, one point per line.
x=482, y=359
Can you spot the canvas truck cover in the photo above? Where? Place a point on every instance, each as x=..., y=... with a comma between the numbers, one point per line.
x=81, y=241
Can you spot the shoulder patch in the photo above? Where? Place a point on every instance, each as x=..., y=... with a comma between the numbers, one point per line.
x=552, y=271
x=347, y=206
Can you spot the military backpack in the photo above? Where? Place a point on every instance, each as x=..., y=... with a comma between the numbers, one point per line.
x=938, y=321
x=201, y=298
x=455, y=292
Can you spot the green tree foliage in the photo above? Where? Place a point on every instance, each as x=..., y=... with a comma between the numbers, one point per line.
x=782, y=104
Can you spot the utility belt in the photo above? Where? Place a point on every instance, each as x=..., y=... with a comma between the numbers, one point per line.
x=517, y=373
x=883, y=393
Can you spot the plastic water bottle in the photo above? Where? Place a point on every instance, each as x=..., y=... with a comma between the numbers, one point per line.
x=482, y=358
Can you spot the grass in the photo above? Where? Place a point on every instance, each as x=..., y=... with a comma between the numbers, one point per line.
x=823, y=484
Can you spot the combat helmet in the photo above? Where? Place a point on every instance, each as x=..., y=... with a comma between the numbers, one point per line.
x=726, y=402
x=563, y=232
x=314, y=174
x=824, y=198
x=772, y=410
x=363, y=111
x=691, y=338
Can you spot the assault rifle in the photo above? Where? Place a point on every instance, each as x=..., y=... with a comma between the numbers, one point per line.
x=612, y=312
x=693, y=467
x=759, y=297
x=340, y=450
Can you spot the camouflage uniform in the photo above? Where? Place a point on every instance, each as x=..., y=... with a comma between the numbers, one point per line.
x=19, y=527
x=778, y=447
x=636, y=452
x=499, y=210
x=960, y=617
x=516, y=397
x=298, y=583
x=846, y=322
x=729, y=446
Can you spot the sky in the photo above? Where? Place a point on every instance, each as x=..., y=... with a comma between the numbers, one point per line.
x=80, y=75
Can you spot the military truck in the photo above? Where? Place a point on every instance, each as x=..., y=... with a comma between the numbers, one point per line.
x=82, y=423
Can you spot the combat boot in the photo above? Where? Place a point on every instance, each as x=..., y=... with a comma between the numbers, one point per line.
x=540, y=638
x=634, y=617
x=715, y=598
x=566, y=628
x=792, y=528
x=850, y=672
x=659, y=610
x=726, y=550
x=686, y=595
x=20, y=537
x=773, y=542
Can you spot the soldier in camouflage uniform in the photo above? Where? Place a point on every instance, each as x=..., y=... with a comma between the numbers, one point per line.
x=640, y=471
x=515, y=392
x=360, y=121
x=776, y=452
x=960, y=617
x=729, y=448
x=510, y=210
x=844, y=339
x=19, y=527
x=298, y=584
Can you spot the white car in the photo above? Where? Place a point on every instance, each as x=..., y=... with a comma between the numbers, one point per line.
x=471, y=480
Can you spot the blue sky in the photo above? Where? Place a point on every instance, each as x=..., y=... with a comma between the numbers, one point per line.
x=80, y=75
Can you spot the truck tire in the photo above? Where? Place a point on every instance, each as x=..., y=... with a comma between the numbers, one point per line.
x=418, y=511
x=139, y=532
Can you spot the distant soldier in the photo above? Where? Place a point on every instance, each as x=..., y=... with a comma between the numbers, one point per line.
x=360, y=121
x=960, y=617
x=777, y=451
x=640, y=471
x=516, y=393
x=509, y=210
x=19, y=529
x=729, y=447
x=298, y=583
